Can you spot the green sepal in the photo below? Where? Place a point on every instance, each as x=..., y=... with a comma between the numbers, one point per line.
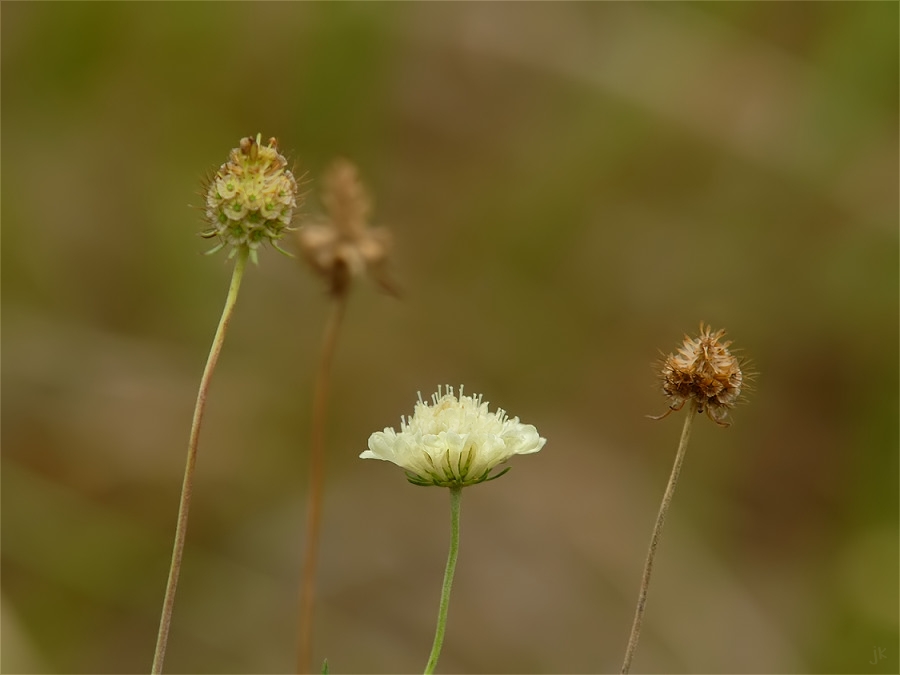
x=418, y=480
x=452, y=482
x=325, y=667
x=497, y=475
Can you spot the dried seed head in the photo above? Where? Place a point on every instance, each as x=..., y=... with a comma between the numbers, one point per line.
x=703, y=370
x=343, y=246
x=251, y=198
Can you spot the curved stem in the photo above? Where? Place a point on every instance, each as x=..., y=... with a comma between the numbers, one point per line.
x=188, y=482
x=455, y=493
x=316, y=483
x=654, y=539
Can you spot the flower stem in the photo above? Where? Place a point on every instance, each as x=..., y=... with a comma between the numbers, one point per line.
x=455, y=493
x=187, y=485
x=316, y=482
x=654, y=539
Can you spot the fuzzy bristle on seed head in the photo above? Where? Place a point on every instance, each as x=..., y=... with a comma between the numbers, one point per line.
x=705, y=371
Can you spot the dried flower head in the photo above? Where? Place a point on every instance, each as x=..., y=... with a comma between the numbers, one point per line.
x=703, y=370
x=251, y=198
x=454, y=441
x=344, y=246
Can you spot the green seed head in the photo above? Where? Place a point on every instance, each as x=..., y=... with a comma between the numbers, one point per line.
x=252, y=197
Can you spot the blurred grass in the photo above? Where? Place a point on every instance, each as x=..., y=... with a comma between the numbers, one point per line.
x=571, y=187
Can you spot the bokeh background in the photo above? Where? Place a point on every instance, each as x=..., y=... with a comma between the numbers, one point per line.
x=571, y=188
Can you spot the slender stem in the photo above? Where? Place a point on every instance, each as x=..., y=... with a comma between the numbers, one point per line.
x=455, y=493
x=187, y=485
x=654, y=539
x=316, y=482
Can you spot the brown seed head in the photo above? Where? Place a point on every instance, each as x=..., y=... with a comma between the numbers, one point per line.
x=343, y=246
x=703, y=370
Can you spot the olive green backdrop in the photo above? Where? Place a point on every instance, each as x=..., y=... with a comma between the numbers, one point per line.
x=571, y=188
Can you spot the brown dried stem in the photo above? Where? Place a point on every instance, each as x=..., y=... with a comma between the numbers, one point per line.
x=657, y=530
x=316, y=483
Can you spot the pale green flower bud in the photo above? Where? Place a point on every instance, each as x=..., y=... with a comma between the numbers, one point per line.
x=453, y=442
x=252, y=197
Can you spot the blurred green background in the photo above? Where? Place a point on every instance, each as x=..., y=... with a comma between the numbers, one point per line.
x=571, y=188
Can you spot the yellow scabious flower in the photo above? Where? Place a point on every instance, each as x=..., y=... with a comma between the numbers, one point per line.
x=453, y=442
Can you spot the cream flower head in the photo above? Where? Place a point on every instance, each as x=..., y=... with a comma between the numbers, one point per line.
x=454, y=442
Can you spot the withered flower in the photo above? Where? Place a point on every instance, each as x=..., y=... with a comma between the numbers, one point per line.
x=343, y=246
x=707, y=372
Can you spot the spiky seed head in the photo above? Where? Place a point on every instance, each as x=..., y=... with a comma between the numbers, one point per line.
x=251, y=199
x=343, y=246
x=705, y=371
